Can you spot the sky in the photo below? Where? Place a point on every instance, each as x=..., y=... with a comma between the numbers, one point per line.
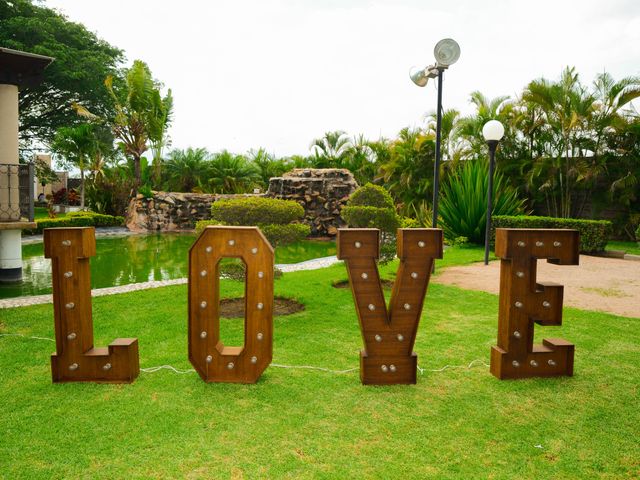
x=279, y=73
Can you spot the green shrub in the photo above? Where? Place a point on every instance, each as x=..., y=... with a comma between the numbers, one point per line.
x=371, y=195
x=408, y=222
x=463, y=202
x=276, y=234
x=250, y=211
x=386, y=219
x=78, y=219
x=371, y=206
x=275, y=218
x=593, y=233
x=638, y=234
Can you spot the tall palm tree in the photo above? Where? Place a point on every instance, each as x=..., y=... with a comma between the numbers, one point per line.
x=142, y=114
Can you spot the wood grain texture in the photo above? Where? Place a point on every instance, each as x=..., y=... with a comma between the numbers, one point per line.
x=389, y=334
x=76, y=359
x=214, y=361
x=524, y=302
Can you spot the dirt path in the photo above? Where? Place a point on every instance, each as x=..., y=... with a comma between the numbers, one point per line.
x=603, y=284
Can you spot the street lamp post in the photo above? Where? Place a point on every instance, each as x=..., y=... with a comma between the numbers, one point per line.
x=447, y=52
x=492, y=132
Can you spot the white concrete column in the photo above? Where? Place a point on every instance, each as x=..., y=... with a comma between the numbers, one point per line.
x=9, y=194
x=10, y=255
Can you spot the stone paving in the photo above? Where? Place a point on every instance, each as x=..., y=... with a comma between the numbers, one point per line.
x=313, y=264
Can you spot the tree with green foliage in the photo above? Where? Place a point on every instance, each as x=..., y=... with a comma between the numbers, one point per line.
x=83, y=146
x=185, y=170
x=82, y=62
x=229, y=173
x=142, y=114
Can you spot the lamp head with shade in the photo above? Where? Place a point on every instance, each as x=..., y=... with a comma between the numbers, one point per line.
x=493, y=131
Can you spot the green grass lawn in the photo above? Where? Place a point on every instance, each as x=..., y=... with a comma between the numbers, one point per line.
x=627, y=247
x=296, y=423
x=42, y=212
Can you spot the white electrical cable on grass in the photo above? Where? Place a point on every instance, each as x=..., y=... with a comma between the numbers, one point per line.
x=473, y=363
x=25, y=336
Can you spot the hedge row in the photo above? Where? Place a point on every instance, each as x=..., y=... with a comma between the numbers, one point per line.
x=78, y=219
x=593, y=233
x=276, y=234
x=256, y=211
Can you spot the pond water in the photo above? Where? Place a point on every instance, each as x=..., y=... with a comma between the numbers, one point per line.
x=139, y=258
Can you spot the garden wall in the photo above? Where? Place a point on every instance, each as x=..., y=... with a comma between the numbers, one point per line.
x=321, y=192
x=170, y=211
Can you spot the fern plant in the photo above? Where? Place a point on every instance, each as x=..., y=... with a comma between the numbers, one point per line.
x=463, y=201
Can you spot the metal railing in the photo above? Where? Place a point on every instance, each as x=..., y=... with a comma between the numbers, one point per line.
x=16, y=192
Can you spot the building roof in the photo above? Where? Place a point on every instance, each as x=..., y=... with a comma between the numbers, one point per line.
x=22, y=68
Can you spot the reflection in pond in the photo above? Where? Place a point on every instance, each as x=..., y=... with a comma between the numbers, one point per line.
x=139, y=258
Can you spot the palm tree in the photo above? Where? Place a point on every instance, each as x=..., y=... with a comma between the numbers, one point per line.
x=142, y=114
x=229, y=173
x=408, y=174
x=267, y=165
x=184, y=169
x=331, y=149
x=83, y=146
x=567, y=110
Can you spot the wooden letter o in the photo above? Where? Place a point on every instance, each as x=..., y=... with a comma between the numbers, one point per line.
x=213, y=361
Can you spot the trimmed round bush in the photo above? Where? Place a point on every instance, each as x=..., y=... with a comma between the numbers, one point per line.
x=276, y=234
x=371, y=195
x=255, y=211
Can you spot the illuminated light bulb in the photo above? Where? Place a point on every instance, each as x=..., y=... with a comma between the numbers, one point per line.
x=551, y=363
x=557, y=244
x=260, y=336
x=209, y=359
x=517, y=334
x=106, y=366
x=378, y=338
x=254, y=250
x=515, y=363
x=519, y=274
x=260, y=274
x=231, y=244
x=384, y=368
x=392, y=368
x=358, y=244
x=203, y=334
x=371, y=307
x=400, y=337
x=533, y=363
x=66, y=243
x=539, y=244
x=259, y=306
x=70, y=305
x=230, y=365
x=364, y=276
x=421, y=244
x=521, y=243
x=203, y=304
x=546, y=304
x=407, y=306
x=73, y=366
x=414, y=275
x=518, y=304
x=71, y=336
x=203, y=273
x=254, y=360
x=68, y=274
x=209, y=249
